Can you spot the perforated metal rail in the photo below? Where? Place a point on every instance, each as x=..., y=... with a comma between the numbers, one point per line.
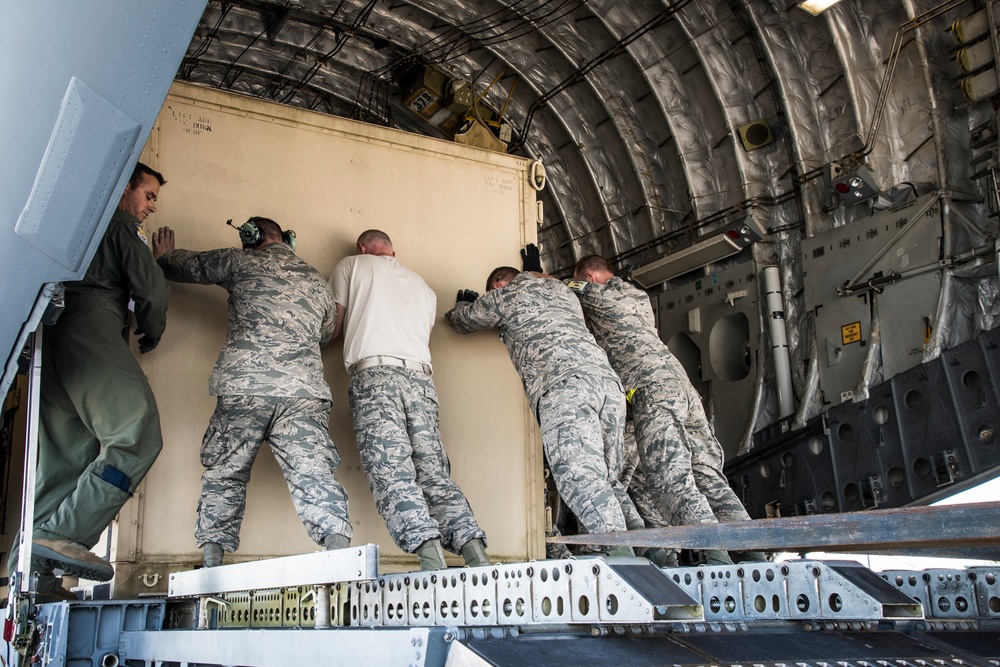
x=615, y=611
x=599, y=591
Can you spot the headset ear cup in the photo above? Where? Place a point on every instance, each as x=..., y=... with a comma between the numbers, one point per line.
x=250, y=233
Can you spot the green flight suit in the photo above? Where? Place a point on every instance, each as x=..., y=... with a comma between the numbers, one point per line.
x=99, y=429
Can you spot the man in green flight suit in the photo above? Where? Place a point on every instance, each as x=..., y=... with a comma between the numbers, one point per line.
x=99, y=429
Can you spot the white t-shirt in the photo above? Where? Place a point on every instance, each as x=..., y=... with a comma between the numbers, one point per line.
x=390, y=309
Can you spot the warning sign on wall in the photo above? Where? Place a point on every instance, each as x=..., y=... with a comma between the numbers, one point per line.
x=850, y=333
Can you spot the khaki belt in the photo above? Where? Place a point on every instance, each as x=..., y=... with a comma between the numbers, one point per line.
x=370, y=362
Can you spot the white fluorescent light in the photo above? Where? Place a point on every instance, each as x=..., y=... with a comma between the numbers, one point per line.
x=815, y=7
x=724, y=243
x=686, y=260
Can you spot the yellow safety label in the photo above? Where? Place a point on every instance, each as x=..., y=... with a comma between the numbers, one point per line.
x=850, y=333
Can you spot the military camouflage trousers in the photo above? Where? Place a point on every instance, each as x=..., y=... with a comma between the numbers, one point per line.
x=395, y=414
x=582, y=420
x=297, y=430
x=681, y=457
x=633, y=478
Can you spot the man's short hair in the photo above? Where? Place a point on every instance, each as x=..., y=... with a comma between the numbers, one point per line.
x=374, y=237
x=501, y=273
x=592, y=263
x=267, y=227
x=141, y=170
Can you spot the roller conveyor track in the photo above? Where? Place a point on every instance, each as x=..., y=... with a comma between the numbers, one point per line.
x=594, y=611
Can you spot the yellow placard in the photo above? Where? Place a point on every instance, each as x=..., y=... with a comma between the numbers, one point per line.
x=850, y=333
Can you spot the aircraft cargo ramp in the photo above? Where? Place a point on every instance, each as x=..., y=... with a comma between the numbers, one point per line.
x=335, y=608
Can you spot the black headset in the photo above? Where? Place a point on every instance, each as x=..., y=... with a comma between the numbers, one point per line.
x=251, y=235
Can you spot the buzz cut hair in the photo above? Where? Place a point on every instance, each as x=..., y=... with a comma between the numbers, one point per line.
x=501, y=273
x=140, y=171
x=374, y=237
x=592, y=263
x=269, y=228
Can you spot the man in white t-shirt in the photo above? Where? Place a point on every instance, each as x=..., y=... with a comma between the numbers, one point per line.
x=387, y=312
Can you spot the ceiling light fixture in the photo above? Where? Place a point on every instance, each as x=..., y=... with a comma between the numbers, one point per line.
x=816, y=7
x=853, y=185
x=719, y=245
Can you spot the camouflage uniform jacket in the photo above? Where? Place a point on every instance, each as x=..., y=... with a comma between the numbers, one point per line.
x=541, y=324
x=280, y=313
x=122, y=268
x=621, y=318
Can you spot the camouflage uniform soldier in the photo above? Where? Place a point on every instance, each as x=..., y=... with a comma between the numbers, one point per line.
x=270, y=386
x=633, y=478
x=575, y=395
x=388, y=312
x=680, y=454
x=99, y=429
